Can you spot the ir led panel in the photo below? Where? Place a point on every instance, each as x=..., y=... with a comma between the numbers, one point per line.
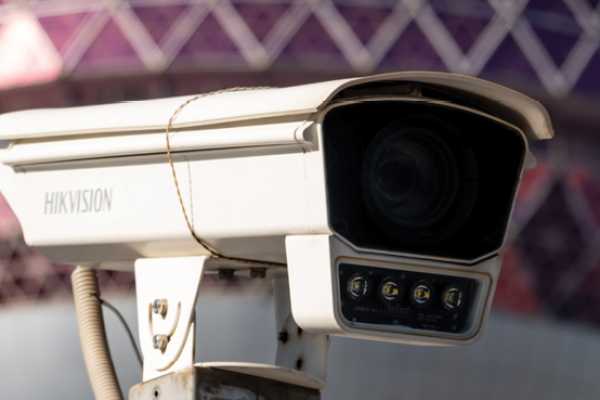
x=380, y=296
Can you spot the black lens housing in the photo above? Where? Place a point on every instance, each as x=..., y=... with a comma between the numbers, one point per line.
x=479, y=162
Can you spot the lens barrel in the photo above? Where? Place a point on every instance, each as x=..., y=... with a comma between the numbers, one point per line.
x=417, y=177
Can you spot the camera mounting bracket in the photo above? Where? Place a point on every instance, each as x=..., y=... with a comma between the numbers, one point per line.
x=167, y=290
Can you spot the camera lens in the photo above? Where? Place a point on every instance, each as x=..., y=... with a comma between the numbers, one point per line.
x=453, y=297
x=390, y=291
x=412, y=172
x=358, y=286
x=421, y=294
x=414, y=175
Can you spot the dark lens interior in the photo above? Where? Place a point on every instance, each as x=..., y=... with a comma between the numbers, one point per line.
x=420, y=178
x=414, y=170
x=409, y=173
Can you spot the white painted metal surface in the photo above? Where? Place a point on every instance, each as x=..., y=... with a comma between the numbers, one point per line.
x=512, y=106
x=297, y=350
x=87, y=147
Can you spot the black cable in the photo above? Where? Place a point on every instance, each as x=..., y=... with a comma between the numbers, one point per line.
x=118, y=314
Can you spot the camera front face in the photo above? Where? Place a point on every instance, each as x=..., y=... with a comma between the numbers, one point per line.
x=420, y=178
x=384, y=297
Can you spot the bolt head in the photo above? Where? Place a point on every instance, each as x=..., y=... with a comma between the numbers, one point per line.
x=160, y=342
x=226, y=274
x=258, y=273
x=282, y=337
x=160, y=306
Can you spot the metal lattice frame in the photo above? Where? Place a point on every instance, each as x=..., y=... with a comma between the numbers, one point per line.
x=505, y=18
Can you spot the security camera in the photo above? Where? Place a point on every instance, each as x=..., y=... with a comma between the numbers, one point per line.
x=387, y=197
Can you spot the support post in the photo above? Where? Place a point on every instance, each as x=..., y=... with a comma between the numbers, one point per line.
x=197, y=382
x=167, y=290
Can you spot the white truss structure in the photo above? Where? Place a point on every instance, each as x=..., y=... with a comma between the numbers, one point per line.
x=508, y=19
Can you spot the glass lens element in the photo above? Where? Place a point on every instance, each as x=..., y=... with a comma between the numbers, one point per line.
x=421, y=293
x=390, y=291
x=358, y=286
x=419, y=180
x=413, y=178
x=453, y=298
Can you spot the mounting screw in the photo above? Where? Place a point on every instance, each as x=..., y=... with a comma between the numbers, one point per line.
x=258, y=273
x=160, y=306
x=160, y=342
x=282, y=337
x=226, y=274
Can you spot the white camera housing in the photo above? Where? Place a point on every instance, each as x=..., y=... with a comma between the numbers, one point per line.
x=92, y=186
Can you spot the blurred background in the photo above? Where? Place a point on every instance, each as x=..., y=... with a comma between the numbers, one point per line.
x=543, y=338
